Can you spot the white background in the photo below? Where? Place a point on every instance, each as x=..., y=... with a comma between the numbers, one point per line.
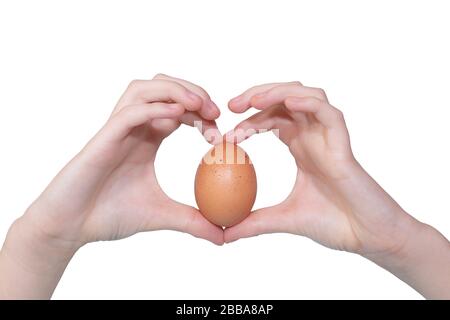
x=386, y=64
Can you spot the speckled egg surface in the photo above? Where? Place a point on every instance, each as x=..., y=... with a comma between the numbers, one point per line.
x=225, y=185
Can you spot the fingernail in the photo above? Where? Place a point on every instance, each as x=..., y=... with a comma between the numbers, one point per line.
x=236, y=99
x=213, y=136
x=212, y=105
x=210, y=110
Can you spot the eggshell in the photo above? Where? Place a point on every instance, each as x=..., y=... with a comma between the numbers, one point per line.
x=225, y=185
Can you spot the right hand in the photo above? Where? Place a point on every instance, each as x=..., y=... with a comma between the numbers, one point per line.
x=334, y=201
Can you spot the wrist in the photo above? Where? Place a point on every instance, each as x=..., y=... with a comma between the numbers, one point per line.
x=33, y=250
x=398, y=252
x=31, y=263
x=422, y=261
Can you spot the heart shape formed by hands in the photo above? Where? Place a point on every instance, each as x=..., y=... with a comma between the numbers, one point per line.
x=109, y=190
x=317, y=137
x=114, y=192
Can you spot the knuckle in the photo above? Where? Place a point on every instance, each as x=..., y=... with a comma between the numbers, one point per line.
x=321, y=92
x=269, y=92
x=135, y=83
x=124, y=113
x=256, y=89
x=313, y=101
x=173, y=87
x=160, y=76
x=296, y=83
x=338, y=113
x=199, y=91
x=202, y=93
x=190, y=221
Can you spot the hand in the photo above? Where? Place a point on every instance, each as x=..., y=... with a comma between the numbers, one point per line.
x=333, y=202
x=109, y=190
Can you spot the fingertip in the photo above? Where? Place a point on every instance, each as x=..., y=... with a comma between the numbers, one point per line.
x=216, y=240
x=228, y=238
x=209, y=110
x=234, y=136
x=216, y=237
x=237, y=105
x=220, y=240
x=208, y=231
x=231, y=106
x=213, y=110
x=236, y=99
x=213, y=136
x=233, y=234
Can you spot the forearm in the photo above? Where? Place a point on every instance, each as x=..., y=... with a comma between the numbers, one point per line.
x=420, y=256
x=31, y=263
x=423, y=262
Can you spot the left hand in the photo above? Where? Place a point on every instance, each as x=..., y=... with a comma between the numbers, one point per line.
x=109, y=190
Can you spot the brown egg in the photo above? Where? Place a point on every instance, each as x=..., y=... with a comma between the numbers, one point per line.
x=225, y=185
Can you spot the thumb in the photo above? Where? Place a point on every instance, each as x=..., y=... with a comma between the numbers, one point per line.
x=188, y=219
x=262, y=221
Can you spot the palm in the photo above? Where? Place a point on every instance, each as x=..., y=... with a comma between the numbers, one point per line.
x=314, y=208
x=130, y=199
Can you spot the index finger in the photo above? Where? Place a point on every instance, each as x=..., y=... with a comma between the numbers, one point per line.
x=148, y=91
x=209, y=109
x=241, y=103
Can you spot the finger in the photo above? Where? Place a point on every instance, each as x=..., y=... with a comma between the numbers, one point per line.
x=148, y=91
x=208, y=128
x=278, y=94
x=241, y=103
x=262, y=221
x=129, y=117
x=260, y=122
x=326, y=114
x=187, y=219
x=209, y=109
x=191, y=86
